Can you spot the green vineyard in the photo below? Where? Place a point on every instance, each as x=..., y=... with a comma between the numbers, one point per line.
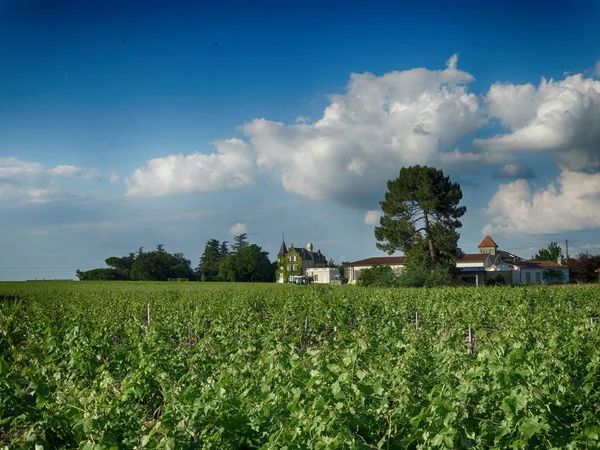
x=224, y=366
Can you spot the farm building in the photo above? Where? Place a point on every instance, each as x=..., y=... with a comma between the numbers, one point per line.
x=475, y=268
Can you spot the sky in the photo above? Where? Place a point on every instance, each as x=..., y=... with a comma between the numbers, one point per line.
x=135, y=123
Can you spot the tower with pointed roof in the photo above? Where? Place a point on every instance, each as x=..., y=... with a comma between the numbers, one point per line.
x=294, y=261
x=488, y=246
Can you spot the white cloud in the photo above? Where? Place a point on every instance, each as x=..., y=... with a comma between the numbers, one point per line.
x=33, y=182
x=232, y=166
x=515, y=171
x=365, y=135
x=301, y=119
x=372, y=217
x=471, y=160
x=114, y=178
x=562, y=117
x=238, y=228
x=572, y=205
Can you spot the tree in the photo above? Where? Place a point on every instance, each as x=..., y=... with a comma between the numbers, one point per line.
x=239, y=242
x=551, y=253
x=381, y=276
x=160, y=265
x=553, y=276
x=123, y=264
x=251, y=263
x=99, y=274
x=420, y=217
x=583, y=268
x=208, y=269
x=224, y=251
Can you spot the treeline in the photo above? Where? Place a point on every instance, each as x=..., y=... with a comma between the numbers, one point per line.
x=219, y=262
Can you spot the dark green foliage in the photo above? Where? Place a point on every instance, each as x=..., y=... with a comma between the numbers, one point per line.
x=380, y=276
x=145, y=266
x=422, y=277
x=122, y=264
x=250, y=263
x=583, y=267
x=208, y=269
x=495, y=281
x=421, y=214
x=551, y=253
x=553, y=276
x=239, y=242
x=100, y=275
x=160, y=266
x=224, y=250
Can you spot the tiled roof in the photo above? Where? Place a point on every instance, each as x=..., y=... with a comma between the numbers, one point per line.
x=530, y=262
x=474, y=257
x=487, y=242
x=379, y=260
x=399, y=260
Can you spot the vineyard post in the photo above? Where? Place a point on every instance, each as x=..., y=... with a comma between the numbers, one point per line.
x=470, y=340
x=306, y=325
x=417, y=320
x=148, y=318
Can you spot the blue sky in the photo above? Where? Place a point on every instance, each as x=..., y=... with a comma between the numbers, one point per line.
x=122, y=124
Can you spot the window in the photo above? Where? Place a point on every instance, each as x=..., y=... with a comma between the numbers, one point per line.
x=289, y=267
x=316, y=277
x=281, y=268
x=295, y=267
x=538, y=277
x=293, y=258
x=527, y=277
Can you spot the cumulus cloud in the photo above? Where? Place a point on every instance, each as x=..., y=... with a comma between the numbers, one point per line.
x=34, y=182
x=515, y=171
x=562, y=117
x=372, y=217
x=232, y=166
x=573, y=203
x=366, y=134
x=238, y=228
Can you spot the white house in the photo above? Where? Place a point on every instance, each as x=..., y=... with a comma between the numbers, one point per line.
x=516, y=270
x=353, y=269
x=323, y=275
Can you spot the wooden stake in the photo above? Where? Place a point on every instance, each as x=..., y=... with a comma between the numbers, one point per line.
x=306, y=325
x=417, y=320
x=470, y=340
x=148, y=318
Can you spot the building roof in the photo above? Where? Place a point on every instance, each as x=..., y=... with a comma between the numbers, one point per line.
x=283, y=249
x=474, y=257
x=531, y=262
x=487, y=242
x=399, y=260
x=379, y=260
x=317, y=256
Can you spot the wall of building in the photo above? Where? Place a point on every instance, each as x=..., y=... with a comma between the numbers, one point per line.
x=322, y=275
x=353, y=272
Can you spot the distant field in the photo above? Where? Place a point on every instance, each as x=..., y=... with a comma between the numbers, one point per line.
x=280, y=366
